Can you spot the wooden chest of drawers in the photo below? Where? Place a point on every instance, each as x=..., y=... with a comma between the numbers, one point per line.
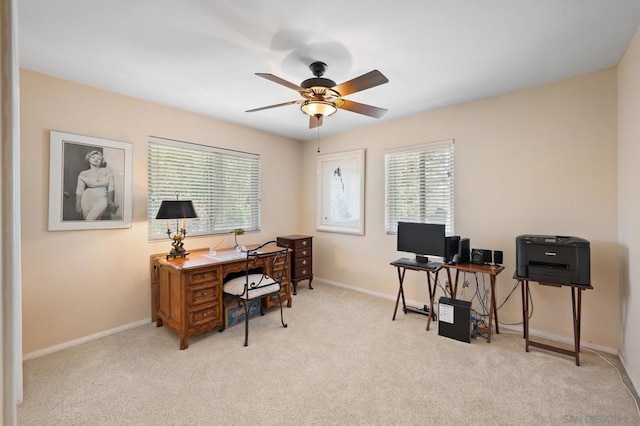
x=301, y=258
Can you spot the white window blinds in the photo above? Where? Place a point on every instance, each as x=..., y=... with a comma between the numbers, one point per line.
x=224, y=186
x=419, y=185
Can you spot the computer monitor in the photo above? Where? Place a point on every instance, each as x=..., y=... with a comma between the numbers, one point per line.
x=422, y=239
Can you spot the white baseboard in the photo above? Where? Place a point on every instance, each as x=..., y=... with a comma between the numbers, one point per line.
x=532, y=332
x=85, y=339
x=561, y=339
x=516, y=328
x=626, y=368
x=360, y=290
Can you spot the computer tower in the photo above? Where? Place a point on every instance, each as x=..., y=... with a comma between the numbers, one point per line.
x=454, y=319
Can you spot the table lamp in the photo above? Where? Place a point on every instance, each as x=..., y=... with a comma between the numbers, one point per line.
x=176, y=209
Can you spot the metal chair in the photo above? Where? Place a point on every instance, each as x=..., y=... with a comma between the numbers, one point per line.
x=266, y=268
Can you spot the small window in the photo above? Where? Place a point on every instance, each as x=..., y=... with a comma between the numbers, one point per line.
x=419, y=185
x=223, y=184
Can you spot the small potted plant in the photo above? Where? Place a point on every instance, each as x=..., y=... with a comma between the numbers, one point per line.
x=236, y=232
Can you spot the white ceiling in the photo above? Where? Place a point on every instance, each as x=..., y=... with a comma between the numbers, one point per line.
x=201, y=55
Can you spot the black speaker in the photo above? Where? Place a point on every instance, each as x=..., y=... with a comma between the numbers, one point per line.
x=464, y=252
x=451, y=247
x=477, y=256
x=497, y=257
x=481, y=256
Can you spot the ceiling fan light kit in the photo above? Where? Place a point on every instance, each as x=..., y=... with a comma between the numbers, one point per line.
x=322, y=97
x=314, y=108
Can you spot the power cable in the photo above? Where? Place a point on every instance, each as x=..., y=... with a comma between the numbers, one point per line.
x=621, y=379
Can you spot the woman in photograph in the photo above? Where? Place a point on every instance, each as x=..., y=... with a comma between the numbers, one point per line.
x=95, y=188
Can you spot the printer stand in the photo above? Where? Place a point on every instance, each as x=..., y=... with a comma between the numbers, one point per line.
x=576, y=303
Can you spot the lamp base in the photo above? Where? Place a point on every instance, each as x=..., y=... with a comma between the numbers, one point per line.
x=174, y=255
x=177, y=246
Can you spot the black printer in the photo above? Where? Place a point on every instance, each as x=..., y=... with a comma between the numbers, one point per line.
x=553, y=259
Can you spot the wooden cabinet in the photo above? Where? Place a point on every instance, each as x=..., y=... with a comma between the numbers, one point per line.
x=189, y=301
x=301, y=258
x=187, y=292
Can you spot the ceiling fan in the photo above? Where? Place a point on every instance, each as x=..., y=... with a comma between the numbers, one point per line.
x=322, y=97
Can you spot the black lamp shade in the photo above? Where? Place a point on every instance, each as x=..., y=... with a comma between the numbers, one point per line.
x=176, y=209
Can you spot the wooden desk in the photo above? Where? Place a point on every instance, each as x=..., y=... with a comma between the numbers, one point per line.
x=402, y=265
x=492, y=271
x=576, y=303
x=188, y=294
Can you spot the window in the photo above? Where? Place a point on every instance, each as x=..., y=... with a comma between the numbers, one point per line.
x=419, y=185
x=224, y=186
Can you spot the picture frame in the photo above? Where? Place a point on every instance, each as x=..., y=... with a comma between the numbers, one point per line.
x=340, y=192
x=90, y=182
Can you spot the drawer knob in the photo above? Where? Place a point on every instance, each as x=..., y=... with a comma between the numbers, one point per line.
x=304, y=243
x=304, y=252
x=206, y=293
x=304, y=272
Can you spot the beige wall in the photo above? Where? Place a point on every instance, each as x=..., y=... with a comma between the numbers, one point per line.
x=540, y=161
x=629, y=206
x=79, y=283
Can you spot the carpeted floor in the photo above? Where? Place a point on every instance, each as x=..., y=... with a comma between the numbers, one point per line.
x=341, y=361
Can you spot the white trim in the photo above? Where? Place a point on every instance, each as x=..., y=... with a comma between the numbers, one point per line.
x=10, y=253
x=560, y=339
x=532, y=332
x=325, y=197
x=85, y=339
x=428, y=146
x=624, y=365
x=201, y=147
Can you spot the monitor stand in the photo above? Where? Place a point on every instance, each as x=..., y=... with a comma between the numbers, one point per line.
x=422, y=259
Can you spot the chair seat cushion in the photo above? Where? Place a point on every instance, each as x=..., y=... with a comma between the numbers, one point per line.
x=235, y=286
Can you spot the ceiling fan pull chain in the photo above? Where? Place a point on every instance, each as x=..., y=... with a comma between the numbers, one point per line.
x=318, y=140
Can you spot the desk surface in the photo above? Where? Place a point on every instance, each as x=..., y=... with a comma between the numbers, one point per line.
x=472, y=267
x=418, y=266
x=202, y=257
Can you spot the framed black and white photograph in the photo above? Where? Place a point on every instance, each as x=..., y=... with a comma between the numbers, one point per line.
x=340, y=192
x=89, y=182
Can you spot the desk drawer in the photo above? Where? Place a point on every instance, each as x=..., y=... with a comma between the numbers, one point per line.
x=199, y=277
x=197, y=296
x=198, y=317
x=272, y=300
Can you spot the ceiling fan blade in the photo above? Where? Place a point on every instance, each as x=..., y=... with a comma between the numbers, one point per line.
x=365, y=81
x=315, y=121
x=364, y=109
x=273, y=106
x=282, y=81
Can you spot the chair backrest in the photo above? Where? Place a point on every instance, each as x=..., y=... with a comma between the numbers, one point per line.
x=266, y=265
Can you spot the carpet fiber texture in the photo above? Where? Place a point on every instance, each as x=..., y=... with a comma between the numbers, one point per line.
x=342, y=360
